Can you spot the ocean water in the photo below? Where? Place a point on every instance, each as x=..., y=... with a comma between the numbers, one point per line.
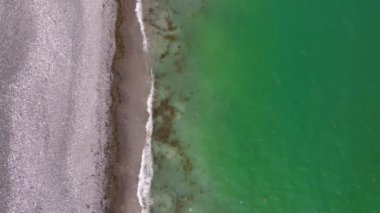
x=265, y=106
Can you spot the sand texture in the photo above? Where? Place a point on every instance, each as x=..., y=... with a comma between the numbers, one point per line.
x=130, y=92
x=55, y=79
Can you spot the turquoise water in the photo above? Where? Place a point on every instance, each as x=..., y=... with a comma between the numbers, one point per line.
x=266, y=106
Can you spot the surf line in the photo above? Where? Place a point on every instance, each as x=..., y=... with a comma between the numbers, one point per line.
x=146, y=169
x=140, y=15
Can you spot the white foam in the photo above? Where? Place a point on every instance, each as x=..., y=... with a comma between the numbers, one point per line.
x=146, y=170
x=139, y=14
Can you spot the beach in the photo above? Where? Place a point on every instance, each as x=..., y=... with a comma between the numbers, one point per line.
x=257, y=106
x=131, y=89
x=73, y=106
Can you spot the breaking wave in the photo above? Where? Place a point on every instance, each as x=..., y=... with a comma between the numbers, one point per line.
x=146, y=169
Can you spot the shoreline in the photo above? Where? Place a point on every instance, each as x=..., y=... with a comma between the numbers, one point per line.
x=131, y=88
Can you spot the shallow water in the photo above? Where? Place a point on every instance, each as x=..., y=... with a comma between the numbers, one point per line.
x=266, y=106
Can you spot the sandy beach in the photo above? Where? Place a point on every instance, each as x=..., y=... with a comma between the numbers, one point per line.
x=131, y=88
x=67, y=144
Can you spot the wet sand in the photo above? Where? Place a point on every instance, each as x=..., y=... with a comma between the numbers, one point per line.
x=130, y=91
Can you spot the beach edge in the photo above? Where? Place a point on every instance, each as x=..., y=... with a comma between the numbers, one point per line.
x=131, y=89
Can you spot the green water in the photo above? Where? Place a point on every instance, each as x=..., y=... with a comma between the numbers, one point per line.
x=267, y=106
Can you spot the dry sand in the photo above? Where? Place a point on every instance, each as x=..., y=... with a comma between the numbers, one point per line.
x=55, y=70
